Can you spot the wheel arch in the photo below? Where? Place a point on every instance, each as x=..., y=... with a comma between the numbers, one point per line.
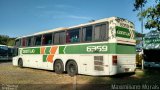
x=19, y=59
x=58, y=60
x=69, y=61
x=19, y=64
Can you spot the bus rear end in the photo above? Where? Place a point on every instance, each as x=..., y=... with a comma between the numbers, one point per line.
x=123, y=57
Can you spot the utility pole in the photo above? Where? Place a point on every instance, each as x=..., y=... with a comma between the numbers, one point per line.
x=142, y=37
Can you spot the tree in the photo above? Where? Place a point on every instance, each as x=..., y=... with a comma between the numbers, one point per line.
x=151, y=14
x=11, y=42
x=6, y=40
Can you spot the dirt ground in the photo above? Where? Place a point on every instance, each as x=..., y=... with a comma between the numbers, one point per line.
x=28, y=78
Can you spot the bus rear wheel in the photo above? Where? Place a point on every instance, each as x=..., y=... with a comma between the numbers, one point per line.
x=58, y=67
x=72, y=68
x=20, y=63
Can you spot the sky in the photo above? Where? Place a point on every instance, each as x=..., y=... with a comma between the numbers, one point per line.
x=25, y=17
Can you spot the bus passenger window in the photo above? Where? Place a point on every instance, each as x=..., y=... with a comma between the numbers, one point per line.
x=24, y=42
x=97, y=33
x=59, y=37
x=28, y=41
x=72, y=36
x=100, y=32
x=47, y=39
x=62, y=37
x=37, y=40
x=18, y=43
x=56, y=38
x=87, y=33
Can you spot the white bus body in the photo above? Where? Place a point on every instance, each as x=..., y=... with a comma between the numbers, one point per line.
x=102, y=47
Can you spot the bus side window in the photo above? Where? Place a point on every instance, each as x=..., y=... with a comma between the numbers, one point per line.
x=62, y=37
x=28, y=40
x=59, y=37
x=18, y=43
x=72, y=36
x=56, y=38
x=87, y=33
x=37, y=40
x=23, y=42
x=100, y=32
x=47, y=39
x=97, y=33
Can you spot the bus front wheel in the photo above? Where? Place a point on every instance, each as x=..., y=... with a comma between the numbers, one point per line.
x=72, y=68
x=20, y=63
x=58, y=67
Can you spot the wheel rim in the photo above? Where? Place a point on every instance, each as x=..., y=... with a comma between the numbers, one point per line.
x=20, y=63
x=72, y=68
x=58, y=67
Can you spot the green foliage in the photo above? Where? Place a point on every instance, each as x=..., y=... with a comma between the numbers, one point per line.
x=6, y=40
x=151, y=14
x=138, y=59
x=11, y=42
x=138, y=4
x=137, y=34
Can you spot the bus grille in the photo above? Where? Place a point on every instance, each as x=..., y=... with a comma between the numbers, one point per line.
x=98, y=63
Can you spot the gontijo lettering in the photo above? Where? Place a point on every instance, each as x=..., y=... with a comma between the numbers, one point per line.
x=28, y=51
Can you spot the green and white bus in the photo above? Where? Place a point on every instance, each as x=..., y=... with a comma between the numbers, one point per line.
x=101, y=47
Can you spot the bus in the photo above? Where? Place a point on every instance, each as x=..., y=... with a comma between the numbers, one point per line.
x=151, y=49
x=97, y=48
x=6, y=52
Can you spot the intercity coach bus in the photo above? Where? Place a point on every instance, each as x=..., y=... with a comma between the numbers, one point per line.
x=151, y=49
x=101, y=47
x=6, y=53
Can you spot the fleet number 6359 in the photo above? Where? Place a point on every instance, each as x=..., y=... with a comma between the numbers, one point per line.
x=96, y=48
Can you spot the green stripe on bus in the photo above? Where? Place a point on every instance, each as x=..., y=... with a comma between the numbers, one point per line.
x=125, y=49
x=121, y=49
x=47, y=51
x=108, y=48
x=44, y=58
x=104, y=48
x=31, y=51
x=61, y=48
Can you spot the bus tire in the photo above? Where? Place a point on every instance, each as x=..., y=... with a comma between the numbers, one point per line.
x=58, y=67
x=72, y=68
x=20, y=63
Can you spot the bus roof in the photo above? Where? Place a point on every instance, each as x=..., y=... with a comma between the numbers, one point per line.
x=44, y=32
x=80, y=25
x=52, y=30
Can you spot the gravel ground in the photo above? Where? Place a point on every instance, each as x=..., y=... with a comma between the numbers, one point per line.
x=28, y=78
